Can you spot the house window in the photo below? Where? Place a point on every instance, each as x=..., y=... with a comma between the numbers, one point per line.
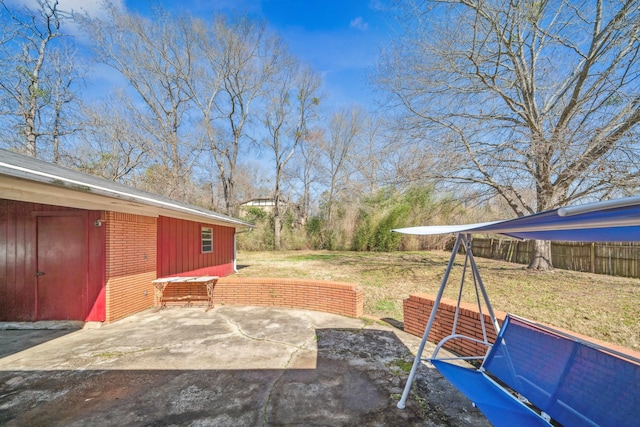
x=207, y=240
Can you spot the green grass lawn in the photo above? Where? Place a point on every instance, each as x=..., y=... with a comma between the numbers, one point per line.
x=600, y=306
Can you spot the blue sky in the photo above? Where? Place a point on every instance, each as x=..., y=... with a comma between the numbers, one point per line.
x=339, y=38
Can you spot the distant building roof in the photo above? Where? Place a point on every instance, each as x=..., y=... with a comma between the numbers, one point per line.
x=259, y=201
x=31, y=180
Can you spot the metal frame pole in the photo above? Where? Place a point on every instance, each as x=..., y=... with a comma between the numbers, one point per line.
x=416, y=362
x=476, y=273
x=464, y=274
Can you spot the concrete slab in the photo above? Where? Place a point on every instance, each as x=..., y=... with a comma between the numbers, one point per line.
x=249, y=366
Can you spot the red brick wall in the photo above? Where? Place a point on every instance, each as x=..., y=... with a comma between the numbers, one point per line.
x=332, y=297
x=131, y=264
x=417, y=309
x=181, y=290
x=346, y=299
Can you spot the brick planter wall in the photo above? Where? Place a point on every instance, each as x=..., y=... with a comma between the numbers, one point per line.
x=346, y=299
x=417, y=309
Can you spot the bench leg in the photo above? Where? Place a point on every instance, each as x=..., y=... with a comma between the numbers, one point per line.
x=157, y=296
x=210, y=286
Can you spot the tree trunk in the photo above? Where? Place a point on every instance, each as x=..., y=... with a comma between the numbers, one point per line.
x=277, y=224
x=30, y=134
x=541, y=256
x=55, y=134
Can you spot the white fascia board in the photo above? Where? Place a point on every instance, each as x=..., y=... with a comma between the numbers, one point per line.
x=93, y=197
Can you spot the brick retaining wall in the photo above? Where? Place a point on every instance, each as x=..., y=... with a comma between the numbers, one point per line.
x=346, y=299
x=417, y=309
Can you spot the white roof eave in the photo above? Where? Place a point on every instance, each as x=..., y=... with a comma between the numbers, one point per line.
x=128, y=200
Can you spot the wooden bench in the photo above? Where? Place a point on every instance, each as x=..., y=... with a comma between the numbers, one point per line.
x=160, y=285
x=536, y=375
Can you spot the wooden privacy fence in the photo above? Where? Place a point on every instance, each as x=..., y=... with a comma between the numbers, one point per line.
x=614, y=259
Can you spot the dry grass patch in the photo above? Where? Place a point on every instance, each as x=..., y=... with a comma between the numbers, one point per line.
x=600, y=306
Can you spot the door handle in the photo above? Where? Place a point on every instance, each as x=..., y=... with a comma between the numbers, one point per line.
x=39, y=273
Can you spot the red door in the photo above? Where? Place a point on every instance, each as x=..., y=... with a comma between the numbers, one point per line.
x=61, y=267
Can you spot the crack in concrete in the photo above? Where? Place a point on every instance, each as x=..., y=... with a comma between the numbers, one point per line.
x=246, y=335
x=265, y=410
x=265, y=414
x=296, y=349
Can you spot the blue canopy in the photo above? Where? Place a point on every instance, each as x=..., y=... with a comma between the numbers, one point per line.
x=609, y=221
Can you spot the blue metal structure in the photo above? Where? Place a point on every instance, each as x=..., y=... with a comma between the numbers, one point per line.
x=558, y=374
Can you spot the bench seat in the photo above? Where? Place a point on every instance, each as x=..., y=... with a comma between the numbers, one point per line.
x=573, y=381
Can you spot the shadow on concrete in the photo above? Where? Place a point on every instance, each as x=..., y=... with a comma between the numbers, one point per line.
x=357, y=380
x=16, y=340
x=393, y=323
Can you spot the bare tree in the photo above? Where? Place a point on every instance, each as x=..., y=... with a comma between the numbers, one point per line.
x=291, y=105
x=248, y=56
x=154, y=56
x=237, y=58
x=344, y=128
x=521, y=97
x=64, y=100
x=305, y=170
x=253, y=180
x=38, y=75
x=381, y=157
x=112, y=145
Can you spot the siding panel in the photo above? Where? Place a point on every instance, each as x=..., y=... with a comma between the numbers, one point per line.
x=18, y=236
x=179, y=248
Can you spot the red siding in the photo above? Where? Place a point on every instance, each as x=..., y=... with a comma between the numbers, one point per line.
x=95, y=304
x=18, y=260
x=179, y=249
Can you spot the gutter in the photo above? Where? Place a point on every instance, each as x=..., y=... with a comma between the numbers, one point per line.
x=148, y=200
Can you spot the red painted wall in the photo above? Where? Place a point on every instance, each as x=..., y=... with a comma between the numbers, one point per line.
x=180, y=249
x=18, y=251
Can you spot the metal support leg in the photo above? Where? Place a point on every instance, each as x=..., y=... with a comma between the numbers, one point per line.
x=487, y=302
x=436, y=305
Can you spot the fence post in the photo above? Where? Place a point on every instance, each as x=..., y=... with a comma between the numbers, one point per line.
x=593, y=257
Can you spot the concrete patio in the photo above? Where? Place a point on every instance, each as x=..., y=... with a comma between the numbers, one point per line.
x=231, y=366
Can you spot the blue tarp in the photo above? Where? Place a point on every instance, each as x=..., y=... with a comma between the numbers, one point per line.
x=501, y=408
x=610, y=221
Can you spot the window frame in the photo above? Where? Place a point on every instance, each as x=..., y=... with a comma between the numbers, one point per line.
x=204, y=240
